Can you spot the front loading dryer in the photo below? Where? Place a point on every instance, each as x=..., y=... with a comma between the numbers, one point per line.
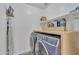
x=47, y=45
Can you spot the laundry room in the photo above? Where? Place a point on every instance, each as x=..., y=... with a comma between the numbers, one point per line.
x=39, y=28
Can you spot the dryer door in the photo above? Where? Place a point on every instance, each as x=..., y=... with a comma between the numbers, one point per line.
x=52, y=50
x=40, y=49
x=33, y=41
x=43, y=48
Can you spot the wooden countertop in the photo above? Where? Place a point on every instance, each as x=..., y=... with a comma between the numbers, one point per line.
x=58, y=32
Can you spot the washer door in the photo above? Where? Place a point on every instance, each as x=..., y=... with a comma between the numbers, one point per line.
x=40, y=48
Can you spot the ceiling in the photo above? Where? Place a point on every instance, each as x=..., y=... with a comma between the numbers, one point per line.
x=39, y=5
x=45, y=5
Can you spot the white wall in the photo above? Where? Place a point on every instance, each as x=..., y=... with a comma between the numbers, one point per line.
x=25, y=21
x=59, y=9
x=56, y=10
x=2, y=29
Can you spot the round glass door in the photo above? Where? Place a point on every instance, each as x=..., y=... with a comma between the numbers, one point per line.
x=41, y=49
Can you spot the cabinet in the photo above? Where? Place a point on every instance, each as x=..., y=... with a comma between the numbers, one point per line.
x=69, y=41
